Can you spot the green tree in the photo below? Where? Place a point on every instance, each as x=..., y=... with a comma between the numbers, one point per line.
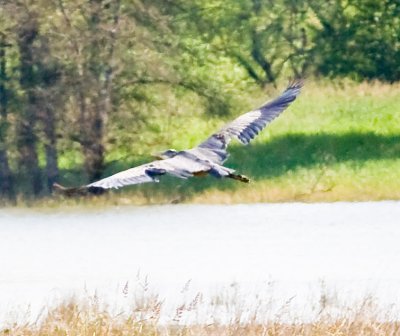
x=6, y=177
x=267, y=38
x=357, y=38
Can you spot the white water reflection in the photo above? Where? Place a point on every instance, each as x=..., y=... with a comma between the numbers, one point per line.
x=278, y=252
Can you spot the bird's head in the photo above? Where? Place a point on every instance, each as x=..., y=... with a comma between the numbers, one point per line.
x=169, y=153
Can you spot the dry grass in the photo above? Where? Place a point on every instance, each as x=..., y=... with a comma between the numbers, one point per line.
x=91, y=318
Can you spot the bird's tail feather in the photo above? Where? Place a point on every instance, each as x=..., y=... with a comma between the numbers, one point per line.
x=77, y=191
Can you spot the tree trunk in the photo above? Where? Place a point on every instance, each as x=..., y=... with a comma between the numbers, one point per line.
x=99, y=68
x=6, y=178
x=26, y=137
x=51, y=101
x=257, y=54
x=49, y=128
x=256, y=49
x=93, y=147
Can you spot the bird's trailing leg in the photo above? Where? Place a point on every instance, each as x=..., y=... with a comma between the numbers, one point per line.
x=221, y=171
x=238, y=177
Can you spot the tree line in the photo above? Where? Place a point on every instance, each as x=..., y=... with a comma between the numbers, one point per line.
x=69, y=67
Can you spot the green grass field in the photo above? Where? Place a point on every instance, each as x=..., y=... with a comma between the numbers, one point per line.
x=338, y=141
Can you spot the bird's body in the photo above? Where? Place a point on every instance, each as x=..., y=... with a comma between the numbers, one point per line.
x=206, y=158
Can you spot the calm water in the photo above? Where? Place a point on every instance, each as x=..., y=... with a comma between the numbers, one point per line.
x=275, y=252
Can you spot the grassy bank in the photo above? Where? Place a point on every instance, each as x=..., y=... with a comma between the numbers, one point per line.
x=338, y=141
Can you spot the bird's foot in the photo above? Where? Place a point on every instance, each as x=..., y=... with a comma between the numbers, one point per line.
x=238, y=177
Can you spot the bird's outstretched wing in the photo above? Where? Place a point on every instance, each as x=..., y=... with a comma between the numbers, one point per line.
x=200, y=159
x=180, y=166
x=248, y=125
x=141, y=174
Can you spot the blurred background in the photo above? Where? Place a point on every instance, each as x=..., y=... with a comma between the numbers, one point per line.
x=89, y=87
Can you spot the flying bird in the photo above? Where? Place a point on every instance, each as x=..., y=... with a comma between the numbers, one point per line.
x=205, y=159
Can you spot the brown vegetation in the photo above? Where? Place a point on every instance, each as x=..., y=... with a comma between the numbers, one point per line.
x=223, y=314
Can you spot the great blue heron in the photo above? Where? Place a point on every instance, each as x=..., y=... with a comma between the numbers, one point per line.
x=206, y=158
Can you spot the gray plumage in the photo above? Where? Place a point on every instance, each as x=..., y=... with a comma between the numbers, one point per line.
x=208, y=157
x=248, y=125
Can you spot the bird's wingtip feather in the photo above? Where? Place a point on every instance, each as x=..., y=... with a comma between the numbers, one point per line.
x=296, y=83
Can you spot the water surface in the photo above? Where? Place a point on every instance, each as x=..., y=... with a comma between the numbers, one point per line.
x=285, y=251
